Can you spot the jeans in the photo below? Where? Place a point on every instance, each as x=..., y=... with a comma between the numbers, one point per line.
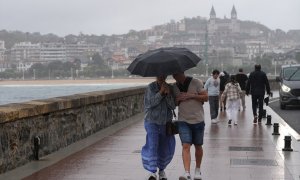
x=214, y=106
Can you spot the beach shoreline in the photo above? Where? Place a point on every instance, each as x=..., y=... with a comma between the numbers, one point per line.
x=81, y=81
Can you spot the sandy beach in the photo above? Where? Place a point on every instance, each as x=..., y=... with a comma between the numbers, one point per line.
x=79, y=81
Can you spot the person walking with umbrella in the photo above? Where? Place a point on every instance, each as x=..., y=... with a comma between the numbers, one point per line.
x=159, y=149
x=190, y=97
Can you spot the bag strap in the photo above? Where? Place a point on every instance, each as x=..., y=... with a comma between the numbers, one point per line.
x=184, y=87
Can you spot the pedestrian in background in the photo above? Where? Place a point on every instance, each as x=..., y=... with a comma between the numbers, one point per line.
x=224, y=78
x=242, y=78
x=159, y=149
x=257, y=85
x=212, y=85
x=232, y=92
x=190, y=97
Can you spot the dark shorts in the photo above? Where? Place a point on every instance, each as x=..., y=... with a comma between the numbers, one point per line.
x=191, y=133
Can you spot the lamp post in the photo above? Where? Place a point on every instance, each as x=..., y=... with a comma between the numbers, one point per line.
x=112, y=71
x=206, y=70
x=275, y=63
x=33, y=74
x=23, y=72
x=72, y=73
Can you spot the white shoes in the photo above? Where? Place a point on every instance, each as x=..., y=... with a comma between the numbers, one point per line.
x=185, y=176
x=214, y=121
x=152, y=176
x=162, y=175
x=197, y=174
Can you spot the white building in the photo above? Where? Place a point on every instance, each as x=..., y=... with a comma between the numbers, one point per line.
x=82, y=50
x=53, y=52
x=25, y=51
x=2, y=50
x=256, y=47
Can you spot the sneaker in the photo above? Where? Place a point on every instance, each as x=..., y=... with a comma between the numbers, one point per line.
x=255, y=120
x=162, y=175
x=151, y=176
x=214, y=121
x=229, y=122
x=197, y=174
x=185, y=176
x=235, y=123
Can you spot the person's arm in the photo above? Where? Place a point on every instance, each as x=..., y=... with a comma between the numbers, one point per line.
x=152, y=98
x=267, y=85
x=171, y=98
x=248, y=86
x=201, y=94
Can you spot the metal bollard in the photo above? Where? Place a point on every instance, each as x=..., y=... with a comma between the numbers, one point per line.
x=287, y=143
x=276, y=129
x=269, y=120
x=264, y=114
x=36, y=144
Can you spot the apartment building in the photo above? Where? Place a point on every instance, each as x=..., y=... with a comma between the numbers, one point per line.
x=25, y=52
x=53, y=52
x=81, y=50
x=2, y=50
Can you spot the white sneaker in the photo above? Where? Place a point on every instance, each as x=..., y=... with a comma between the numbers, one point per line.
x=214, y=121
x=162, y=175
x=185, y=176
x=151, y=176
x=197, y=174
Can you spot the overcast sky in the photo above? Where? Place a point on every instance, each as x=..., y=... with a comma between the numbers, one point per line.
x=98, y=17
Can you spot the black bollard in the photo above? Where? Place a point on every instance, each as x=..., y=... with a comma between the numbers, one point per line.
x=276, y=129
x=264, y=114
x=287, y=143
x=269, y=120
x=36, y=144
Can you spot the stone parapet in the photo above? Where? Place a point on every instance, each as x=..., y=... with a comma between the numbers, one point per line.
x=60, y=121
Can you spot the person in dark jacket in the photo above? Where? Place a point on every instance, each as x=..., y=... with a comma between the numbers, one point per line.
x=224, y=78
x=257, y=86
x=242, y=78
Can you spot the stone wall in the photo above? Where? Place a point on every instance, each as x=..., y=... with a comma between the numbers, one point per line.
x=58, y=122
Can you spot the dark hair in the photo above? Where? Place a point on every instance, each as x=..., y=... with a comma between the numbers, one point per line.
x=241, y=70
x=215, y=72
x=257, y=67
x=232, y=79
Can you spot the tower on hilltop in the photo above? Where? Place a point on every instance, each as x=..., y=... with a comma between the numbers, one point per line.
x=233, y=13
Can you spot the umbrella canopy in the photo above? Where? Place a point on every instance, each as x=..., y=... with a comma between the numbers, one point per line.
x=163, y=61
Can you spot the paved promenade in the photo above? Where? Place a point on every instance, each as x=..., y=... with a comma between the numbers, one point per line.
x=242, y=152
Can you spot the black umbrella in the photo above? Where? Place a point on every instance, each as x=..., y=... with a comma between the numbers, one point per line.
x=163, y=61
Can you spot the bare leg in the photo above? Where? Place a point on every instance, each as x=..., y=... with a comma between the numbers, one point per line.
x=186, y=156
x=198, y=155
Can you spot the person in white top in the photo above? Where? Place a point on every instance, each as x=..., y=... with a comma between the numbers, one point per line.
x=212, y=85
x=233, y=94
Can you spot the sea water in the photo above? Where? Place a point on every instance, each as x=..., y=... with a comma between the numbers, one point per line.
x=22, y=93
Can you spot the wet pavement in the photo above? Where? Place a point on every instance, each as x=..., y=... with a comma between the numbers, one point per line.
x=290, y=115
x=245, y=151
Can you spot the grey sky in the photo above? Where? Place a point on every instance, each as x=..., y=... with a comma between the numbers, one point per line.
x=98, y=17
